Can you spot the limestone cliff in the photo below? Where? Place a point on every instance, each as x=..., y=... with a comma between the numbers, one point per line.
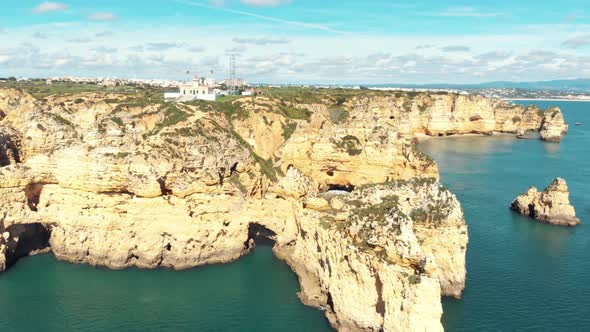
x=553, y=126
x=551, y=205
x=452, y=114
x=353, y=207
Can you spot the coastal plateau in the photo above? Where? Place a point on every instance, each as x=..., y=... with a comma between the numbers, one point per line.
x=332, y=177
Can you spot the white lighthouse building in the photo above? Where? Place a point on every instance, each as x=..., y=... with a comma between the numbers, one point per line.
x=197, y=89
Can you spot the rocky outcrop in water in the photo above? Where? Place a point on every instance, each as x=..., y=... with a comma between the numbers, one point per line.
x=353, y=207
x=551, y=205
x=553, y=126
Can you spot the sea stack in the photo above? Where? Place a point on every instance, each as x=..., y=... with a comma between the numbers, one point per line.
x=551, y=206
x=553, y=126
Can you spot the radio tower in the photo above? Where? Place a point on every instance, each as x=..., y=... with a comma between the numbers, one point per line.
x=232, y=75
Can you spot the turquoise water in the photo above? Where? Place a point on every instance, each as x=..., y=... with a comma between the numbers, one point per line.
x=521, y=274
x=258, y=293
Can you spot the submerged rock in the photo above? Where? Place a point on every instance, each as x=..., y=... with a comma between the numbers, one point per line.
x=551, y=206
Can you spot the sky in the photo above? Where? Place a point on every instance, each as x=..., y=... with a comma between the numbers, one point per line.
x=298, y=41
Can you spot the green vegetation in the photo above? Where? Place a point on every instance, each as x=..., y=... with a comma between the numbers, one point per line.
x=228, y=105
x=436, y=208
x=366, y=216
x=119, y=155
x=232, y=108
x=423, y=108
x=266, y=166
x=118, y=121
x=40, y=89
x=419, y=215
x=235, y=180
x=377, y=212
x=122, y=155
x=407, y=105
x=421, y=156
x=289, y=129
x=78, y=101
x=193, y=131
x=338, y=114
x=59, y=119
x=516, y=119
x=312, y=95
x=295, y=113
x=172, y=116
x=296, y=94
x=415, y=279
x=351, y=144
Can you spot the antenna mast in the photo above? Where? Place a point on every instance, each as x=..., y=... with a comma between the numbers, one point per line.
x=232, y=75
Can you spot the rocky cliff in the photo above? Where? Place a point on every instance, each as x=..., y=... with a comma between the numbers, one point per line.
x=353, y=207
x=551, y=205
x=452, y=114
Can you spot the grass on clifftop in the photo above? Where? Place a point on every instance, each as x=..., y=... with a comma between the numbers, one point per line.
x=172, y=116
x=40, y=89
x=310, y=95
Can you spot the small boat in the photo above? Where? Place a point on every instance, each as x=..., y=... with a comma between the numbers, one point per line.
x=578, y=123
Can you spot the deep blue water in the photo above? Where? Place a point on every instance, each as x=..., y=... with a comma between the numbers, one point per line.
x=521, y=274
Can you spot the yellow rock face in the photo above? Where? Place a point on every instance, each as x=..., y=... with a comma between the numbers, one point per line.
x=353, y=207
x=551, y=205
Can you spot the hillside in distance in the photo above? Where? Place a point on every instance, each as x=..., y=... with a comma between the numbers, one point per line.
x=573, y=85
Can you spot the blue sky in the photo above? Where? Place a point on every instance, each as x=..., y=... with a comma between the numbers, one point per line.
x=299, y=41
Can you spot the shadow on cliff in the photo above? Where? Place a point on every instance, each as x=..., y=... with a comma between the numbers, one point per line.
x=25, y=240
x=259, y=235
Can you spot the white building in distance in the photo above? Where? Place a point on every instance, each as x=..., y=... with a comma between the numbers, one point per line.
x=197, y=89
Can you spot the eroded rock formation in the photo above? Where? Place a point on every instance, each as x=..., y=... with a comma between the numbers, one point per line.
x=553, y=126
x=451, y=114
x=551, y=205
x=353, y=207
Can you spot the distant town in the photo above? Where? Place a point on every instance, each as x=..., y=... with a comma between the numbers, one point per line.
x=207, y=88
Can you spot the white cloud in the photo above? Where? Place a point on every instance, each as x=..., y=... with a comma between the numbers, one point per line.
x=236, y=49
x=103, y=34
x=330, y=58
x=102, y=16
x=163, y=46
x=261, y=41
x=39, y=35
x=196, y=49
x=50, y=7
x=456, y=48
x=577, y=41
x=80, y=40
x=5, y=58
x=104, y=49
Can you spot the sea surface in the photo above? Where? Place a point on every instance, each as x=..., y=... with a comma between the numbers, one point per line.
x=522, y=275
x=258, y=293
